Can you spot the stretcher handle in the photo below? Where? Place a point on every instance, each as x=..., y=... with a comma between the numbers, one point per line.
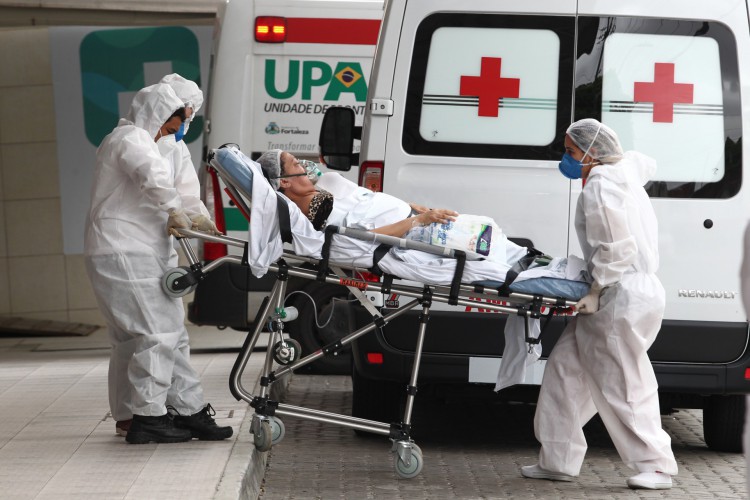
x=394, y=241
x=227, y=240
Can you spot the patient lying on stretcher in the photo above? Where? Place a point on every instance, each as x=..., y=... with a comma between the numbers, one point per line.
x=337, y=201
x=350, y=205
x=340, y=202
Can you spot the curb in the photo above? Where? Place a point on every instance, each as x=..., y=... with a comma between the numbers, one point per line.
x=243, y=475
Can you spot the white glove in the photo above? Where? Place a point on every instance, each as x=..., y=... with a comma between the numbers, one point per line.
x=590, y=303
x=177, y=220
x=204, y=224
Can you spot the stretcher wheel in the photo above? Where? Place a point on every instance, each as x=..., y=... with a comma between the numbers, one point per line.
x=263, y=438
x=278, y=430
x=167, y=282
x=414, y=467
x=287, y=351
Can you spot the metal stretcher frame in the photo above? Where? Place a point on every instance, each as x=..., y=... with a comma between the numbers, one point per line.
x=283, y=356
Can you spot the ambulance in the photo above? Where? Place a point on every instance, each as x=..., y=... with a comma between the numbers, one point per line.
x=467, y=109
x=276, y=66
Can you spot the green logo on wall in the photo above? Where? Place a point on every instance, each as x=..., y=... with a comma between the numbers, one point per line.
x=112, y=61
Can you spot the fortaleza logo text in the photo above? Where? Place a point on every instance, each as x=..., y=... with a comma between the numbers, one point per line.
x=273, y=128
x=303, y=76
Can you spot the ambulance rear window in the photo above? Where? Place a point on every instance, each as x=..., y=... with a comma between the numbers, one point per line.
x=671, y=90
x=492, y=86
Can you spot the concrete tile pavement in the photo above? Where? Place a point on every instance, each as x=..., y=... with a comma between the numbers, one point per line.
x=57, y=438
x=473, y=449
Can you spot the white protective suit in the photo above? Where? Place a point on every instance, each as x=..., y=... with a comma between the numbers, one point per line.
x=127, y=252
x=600, y=362
x=186, y=180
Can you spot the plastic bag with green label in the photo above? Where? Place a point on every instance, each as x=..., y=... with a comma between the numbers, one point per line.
x=479, y=236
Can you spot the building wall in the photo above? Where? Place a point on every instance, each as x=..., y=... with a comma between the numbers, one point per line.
x=37, y=280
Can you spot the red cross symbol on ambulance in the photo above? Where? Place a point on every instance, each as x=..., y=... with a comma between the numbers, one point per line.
x=663, y=92
x=489, y=86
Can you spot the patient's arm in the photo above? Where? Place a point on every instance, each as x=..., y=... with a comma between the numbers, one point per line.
x=400, y=228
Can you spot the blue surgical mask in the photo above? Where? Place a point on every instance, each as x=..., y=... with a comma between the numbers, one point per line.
x=180, y=133
x=570, y=167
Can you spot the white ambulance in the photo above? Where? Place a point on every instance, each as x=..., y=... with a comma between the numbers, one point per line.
x=467, y=109
x=276, y=66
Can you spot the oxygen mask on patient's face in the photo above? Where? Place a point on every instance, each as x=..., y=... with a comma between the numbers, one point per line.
x=312, y=170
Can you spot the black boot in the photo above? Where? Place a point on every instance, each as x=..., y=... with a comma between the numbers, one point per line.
x=202, y=425
x=157, y=429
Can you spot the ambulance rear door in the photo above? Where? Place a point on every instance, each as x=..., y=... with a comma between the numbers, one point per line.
x=668, y=80
x=481, y=101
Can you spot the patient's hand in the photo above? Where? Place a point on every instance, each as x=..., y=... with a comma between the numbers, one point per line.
x=418, y=209
x=440, y=215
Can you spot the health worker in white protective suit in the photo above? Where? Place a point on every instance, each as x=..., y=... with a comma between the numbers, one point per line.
x=174, y=148
x=600, y=364
x=137, y=197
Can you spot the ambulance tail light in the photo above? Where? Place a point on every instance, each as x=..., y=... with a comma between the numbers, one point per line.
x=369, y=277
x=212, y=251
x=270, y=29
x=375, y=358
x=371, y=175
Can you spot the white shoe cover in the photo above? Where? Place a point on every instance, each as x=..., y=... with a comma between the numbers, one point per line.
x=536, y=472
x=650, y=481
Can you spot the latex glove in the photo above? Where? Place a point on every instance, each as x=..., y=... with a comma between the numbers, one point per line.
x=204, y=224
x=590, y=303
x=177, y=220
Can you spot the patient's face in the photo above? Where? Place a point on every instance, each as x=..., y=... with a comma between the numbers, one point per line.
x=290, y=164
x=300, y=184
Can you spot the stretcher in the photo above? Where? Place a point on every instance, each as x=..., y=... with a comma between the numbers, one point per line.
x=284, y=355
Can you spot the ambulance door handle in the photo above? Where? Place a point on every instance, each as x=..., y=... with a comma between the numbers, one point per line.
x=380, y=106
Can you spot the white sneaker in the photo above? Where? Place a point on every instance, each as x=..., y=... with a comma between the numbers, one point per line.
x=536, y=472
x=650, y=481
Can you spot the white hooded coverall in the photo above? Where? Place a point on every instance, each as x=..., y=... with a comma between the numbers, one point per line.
x=600, y=362
x=127, y=250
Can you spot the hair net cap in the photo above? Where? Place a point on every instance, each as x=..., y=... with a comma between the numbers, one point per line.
x=270, y=162
x=599, y=140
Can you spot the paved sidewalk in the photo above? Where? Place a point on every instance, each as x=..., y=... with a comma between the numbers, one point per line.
x=57, y=438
